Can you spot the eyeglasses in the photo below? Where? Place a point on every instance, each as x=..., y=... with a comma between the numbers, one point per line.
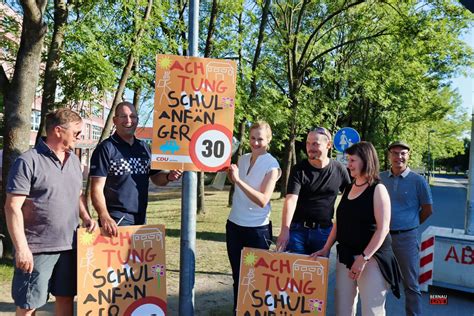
x=399, y=153
x=322, y=131
x=124, y=117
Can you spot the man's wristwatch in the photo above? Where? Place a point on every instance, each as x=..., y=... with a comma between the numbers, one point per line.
x=366, y=258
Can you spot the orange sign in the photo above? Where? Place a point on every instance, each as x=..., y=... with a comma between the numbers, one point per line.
x=194, y=113
x=124, y=275
x=279, y=283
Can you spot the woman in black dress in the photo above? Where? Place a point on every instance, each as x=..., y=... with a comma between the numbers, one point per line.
x=366, y=263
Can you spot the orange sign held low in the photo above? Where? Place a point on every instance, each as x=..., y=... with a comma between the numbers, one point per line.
x=194, y=113
x=124, y=275
x=279, y=283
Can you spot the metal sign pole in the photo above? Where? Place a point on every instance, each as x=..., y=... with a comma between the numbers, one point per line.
x=469, y=223
x=189, y=200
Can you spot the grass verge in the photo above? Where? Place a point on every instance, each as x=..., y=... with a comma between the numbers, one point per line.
x=211, y=255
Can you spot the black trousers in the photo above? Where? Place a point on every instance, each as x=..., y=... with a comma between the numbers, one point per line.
x=238, y=237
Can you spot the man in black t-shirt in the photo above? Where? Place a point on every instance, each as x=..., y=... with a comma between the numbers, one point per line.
x=312, y=190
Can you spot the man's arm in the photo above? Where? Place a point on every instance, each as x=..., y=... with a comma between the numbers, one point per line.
x=426, y=211
x=85, y=216
x=98, y=201
x=163, y=178
x=289, y=207
x=16, y=228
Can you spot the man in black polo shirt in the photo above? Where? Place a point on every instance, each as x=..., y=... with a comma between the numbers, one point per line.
x=312, y=190
x=120, y=173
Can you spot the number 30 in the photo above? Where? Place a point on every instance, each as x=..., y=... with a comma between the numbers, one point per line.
x=213, y=149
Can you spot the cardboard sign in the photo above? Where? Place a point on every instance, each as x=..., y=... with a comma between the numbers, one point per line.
x=279, y=283
x=124, y=275
x=194, y=113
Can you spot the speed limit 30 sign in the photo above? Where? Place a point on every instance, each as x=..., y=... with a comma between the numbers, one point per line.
x=211, y=147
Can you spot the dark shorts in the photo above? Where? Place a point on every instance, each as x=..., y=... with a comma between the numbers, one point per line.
x=53, y=272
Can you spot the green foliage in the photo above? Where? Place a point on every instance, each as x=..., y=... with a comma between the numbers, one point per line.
x=382, y=67
x=9, y=29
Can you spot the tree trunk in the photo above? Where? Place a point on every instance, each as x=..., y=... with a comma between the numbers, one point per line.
x=290, y=145
x=253, y=82
x=201, y=202
x=118, y=97
x=287, y=161
x=241, y=122
x=138, y=89
x=52, y=64
x=211, y=29
x=20, y=93
x=125, y=75
x=182, y=4
x=136, y=97
x=4, y=82
x=258, y=48
x=293, y=156
x=239, y=153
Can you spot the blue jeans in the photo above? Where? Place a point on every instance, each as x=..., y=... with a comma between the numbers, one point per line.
x=307, y=240
x=238, y=237
x=406, y=248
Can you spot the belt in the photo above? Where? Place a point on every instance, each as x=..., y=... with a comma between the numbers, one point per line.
x=396, y=232
x=313, y=225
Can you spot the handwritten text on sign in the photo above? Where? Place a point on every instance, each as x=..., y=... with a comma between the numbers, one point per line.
x=281, y=284
x=122, y=275
x=194, y=113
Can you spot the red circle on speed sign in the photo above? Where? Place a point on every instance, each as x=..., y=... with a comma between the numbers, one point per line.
x=211, y=147
x=148, y=305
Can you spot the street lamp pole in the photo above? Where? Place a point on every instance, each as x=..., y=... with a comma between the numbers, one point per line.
x=469, y=221
x=429, y=154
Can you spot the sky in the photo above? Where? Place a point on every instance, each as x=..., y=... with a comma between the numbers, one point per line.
x=465, y=84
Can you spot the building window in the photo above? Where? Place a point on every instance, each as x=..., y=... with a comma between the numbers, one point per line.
x=87, y=132
x=35, y=120
x=96, y=110
x=96, y=132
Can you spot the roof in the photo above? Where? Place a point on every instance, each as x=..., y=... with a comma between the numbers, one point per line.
x=144, y=132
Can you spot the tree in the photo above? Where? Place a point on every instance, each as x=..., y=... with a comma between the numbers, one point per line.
x=20, y=92
x=249, y=89
x=201, y=209
x=306, y=33
x=126, y=71
x=397, y=85
x=52, y=64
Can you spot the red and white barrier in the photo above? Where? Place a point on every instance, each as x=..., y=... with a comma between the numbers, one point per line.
x=426, y=261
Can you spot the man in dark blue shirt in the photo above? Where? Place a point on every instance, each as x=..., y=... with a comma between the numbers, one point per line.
x=120, y=173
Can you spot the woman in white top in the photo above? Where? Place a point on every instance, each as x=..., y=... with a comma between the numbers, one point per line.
x=254, y=177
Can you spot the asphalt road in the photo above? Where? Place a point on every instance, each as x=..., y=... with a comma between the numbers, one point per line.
x=449, y=202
